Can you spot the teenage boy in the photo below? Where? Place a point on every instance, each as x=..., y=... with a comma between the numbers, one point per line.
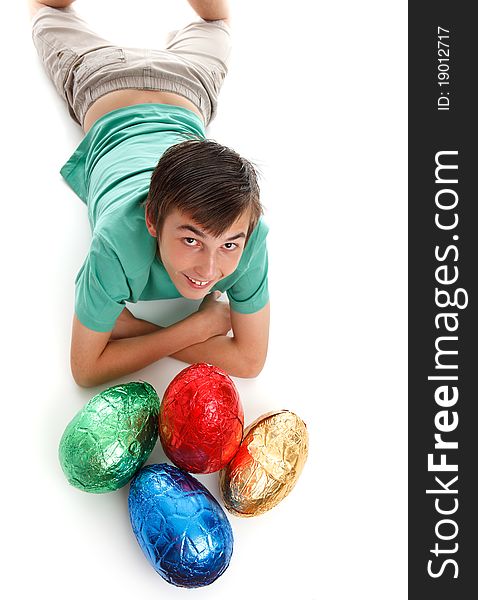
x=189, y=225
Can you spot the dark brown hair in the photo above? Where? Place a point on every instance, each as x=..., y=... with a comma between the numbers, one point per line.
x=211, y=183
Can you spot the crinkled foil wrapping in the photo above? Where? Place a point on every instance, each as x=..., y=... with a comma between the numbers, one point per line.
x=110, y=437
x=181, y=528
x=201, y=419
x=267, y=465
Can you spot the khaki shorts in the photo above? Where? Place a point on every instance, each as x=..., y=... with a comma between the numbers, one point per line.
x=83, y=66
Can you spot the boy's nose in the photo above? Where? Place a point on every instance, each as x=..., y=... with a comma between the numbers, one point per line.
x=206, y=269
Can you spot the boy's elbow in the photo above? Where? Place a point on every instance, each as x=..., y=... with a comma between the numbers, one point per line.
x=252, y=366
x=83, y=375
x=251, y=373
x=81, y=378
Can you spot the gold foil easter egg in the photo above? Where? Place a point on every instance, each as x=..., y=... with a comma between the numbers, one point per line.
x=267, y=465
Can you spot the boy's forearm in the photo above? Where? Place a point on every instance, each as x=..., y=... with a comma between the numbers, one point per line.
x=123, y=356
x=128, y=326
x=223, y=352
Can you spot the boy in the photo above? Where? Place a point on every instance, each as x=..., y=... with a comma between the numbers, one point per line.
x=189, y=225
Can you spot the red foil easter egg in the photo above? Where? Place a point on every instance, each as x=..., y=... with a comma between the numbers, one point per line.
x=201, y=419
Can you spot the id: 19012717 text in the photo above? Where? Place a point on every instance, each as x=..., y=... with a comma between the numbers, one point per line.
x=443, y=68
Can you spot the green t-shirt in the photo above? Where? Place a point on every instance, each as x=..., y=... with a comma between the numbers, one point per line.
x=111, y=171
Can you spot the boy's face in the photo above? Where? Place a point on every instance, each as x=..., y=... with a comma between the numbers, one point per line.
x=194, y=259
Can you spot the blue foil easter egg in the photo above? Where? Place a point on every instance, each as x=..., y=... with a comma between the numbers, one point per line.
x=181, y=528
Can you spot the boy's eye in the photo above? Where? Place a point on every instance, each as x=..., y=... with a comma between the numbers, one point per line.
x=230, y=245
x=190, y=241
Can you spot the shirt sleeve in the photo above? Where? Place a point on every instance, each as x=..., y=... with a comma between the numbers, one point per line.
x=101, y=288
x=250, y=293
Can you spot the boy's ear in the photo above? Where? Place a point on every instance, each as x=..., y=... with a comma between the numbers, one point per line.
x=149, y=224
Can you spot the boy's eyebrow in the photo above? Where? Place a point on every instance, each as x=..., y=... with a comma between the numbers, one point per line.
x=236, y=237
x=195, y=230
x=202, y=235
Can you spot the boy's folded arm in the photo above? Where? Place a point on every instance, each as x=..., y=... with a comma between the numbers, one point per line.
x=242, y=355
x=127, y=325
x=97, y=358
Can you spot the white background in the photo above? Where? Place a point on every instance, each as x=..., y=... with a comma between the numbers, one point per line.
x=316, y=95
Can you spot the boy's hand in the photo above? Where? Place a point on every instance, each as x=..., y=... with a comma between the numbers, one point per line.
x=216, y=315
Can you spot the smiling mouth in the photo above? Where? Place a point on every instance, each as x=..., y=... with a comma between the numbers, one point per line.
x=197, y=282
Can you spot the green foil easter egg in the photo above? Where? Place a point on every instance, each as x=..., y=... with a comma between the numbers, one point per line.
x=110, y=437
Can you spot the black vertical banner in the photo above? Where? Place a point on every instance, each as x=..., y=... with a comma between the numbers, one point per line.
x=443, y=252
